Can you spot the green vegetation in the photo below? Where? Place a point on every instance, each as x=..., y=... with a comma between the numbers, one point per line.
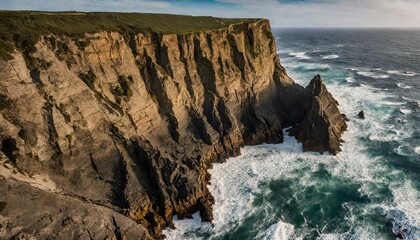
x=160, y=69
x=82, y=44
x=123, y=90
x=24, y=28
x=62, y=50
x=5, y=49
x=4, y=102
x=2, y=205
x=88, y=78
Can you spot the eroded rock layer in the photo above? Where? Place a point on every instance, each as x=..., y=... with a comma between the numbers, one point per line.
x=116, y=133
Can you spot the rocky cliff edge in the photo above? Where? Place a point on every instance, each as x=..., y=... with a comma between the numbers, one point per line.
x=110, y=135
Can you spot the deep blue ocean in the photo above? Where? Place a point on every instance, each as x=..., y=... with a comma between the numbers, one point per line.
x=370, y=190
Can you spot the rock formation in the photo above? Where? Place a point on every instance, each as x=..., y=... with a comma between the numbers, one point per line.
x=110, y=136
x=323, y=123
x=361, y=115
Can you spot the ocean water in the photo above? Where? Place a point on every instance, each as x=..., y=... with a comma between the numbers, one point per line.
x=371, y=189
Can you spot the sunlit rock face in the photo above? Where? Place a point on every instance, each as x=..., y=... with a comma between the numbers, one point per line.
x=112, y=137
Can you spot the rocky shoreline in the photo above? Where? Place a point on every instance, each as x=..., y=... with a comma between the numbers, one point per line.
x=112, y=137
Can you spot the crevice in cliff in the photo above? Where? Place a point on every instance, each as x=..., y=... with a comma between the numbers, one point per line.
x=250, y=42
x=161, y=54
x=210, y=43
x=117, y=230
x=154, y=86
x=147, y=174
x=48, y=116
x=95, y=167
x=9, y=148
x=133, y=45
x=53, y=139
x=224, y=116
x=187, y=78
x=164, y=60
x=119, y=185
x=221, y=68
x=207, y=75
x=238, y=57
x=198, y=126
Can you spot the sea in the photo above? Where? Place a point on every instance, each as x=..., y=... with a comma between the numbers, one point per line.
x=370, y=190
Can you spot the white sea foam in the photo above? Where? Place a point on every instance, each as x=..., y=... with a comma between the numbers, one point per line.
x=405, y=111
x=372, y=74
x=352, y=69
x=402, y=150
x=185, y=226
x=338, y=45
x=328, y=57
x=404, y=86
x=392, y=103
x=407, y=73
x=279, y=231
x=350, y=79
x=407, y=207
x=412, y=100
x=417, y=149
x=300, y=55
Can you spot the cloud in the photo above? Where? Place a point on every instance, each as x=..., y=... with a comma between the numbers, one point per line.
x=85, y=5
x=333, y=13
x=282, y=13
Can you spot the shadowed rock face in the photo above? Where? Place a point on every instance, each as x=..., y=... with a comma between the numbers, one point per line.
x=117, y=135
x=323, y=124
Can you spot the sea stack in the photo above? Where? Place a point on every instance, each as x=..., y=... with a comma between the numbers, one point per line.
x=361, y=115
x=321, y=128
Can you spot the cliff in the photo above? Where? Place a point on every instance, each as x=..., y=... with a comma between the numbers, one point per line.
x=110, y=132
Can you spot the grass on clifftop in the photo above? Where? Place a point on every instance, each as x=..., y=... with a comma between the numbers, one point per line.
x=24, y=28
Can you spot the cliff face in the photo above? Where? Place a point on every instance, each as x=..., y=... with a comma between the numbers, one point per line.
x=110, y=135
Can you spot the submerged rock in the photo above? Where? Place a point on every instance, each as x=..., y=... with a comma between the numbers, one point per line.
x=361, y=115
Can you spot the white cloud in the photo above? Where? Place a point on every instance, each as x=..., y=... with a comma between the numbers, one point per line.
x=331, y=13
x=318, y=13
x=85, y=5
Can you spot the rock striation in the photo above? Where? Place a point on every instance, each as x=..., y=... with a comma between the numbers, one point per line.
x=110, y=135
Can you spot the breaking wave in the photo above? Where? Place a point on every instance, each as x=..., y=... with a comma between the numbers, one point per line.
x=372, y=75
x=299, y=55
x=328, y=57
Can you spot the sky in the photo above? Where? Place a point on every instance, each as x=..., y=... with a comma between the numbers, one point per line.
x=281, y=13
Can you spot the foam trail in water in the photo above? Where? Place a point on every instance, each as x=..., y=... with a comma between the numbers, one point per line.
x=350, y=79
x=404, y=86
x=329, y=57
x=278, y=231
x=300, y=55
x=372, y=75
x=405, y=111
x=399, y=73
x=412, y=100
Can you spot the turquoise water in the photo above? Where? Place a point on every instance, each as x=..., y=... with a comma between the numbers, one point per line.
x=371, y=189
